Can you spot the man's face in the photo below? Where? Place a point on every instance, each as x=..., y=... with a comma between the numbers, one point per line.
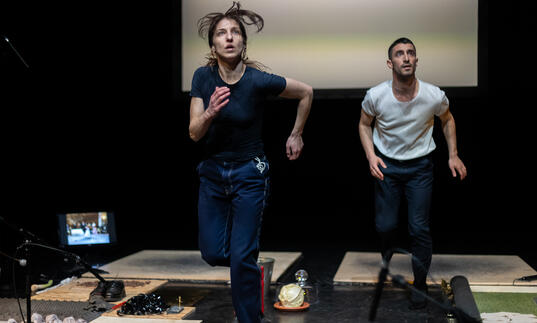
x=227, y=39
x=404, y=60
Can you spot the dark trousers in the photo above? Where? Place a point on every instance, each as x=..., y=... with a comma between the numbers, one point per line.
x=412, y=180
x=232, y=197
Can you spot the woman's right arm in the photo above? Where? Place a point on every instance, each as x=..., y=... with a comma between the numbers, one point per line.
x=201, y=118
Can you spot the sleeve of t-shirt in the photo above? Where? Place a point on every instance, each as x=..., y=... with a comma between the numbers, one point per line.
x=272, y=84
x=195, y=90
x=443, y=106
x=367, y=105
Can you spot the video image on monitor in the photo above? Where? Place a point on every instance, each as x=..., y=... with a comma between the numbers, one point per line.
x=87, y=228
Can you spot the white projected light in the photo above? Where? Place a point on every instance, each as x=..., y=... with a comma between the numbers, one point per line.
x=343, y=44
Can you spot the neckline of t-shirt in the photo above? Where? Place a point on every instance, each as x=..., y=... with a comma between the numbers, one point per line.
x=405, y=102
x=233, y=84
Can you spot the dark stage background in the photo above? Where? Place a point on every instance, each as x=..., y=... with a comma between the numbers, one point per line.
x=94, y=124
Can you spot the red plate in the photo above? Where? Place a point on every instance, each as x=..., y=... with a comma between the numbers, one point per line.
x=279, y=306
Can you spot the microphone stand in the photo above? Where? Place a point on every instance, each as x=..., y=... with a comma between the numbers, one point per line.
x=400, y=281
x=383, y=274
x=28, y=286
x=461, y=315
x=28, y=236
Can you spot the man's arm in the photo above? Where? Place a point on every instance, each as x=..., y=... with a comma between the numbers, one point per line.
x=297, y=90
x=366, y=137
x=448, y=128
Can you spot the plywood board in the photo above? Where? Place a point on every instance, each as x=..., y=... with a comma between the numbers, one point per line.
x=179, y=316
x=363, y=267
x=504, y=289
x=78, y=290
x=119, y=319
x=184, y=265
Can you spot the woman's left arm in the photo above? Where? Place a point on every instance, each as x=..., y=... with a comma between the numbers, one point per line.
x=297, y=90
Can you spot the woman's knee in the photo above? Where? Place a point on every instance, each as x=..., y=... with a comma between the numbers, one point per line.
x=214, y=258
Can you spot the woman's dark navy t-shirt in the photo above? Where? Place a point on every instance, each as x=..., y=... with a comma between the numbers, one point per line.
x=235, y=133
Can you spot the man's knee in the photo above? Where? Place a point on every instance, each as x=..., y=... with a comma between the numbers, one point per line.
x=421, y=236
x=384, y=226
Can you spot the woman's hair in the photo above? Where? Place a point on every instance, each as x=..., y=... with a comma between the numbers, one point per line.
x=207, y=25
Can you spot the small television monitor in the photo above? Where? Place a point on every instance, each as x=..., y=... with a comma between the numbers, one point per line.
x=87, y=229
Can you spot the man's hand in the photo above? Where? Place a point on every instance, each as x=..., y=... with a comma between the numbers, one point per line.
x=374, y=163
x=456, y=166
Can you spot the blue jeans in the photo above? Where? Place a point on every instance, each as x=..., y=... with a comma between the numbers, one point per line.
x=232, y=197
x=413, y=180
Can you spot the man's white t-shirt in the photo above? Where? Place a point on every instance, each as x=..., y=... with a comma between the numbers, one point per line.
x=404, y=130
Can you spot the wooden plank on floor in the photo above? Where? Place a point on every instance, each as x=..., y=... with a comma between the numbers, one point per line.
x=504, y=289
x=363, y=267
x=184, y=265
x=119, y=319
x=187, y=311
x=79, y=289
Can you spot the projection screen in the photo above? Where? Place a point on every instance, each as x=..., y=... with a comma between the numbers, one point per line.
x=342, y=44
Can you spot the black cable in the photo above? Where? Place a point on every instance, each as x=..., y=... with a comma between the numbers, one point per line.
x=76, y=257
x=16, y=51
x=525, y=278
x=8, y=256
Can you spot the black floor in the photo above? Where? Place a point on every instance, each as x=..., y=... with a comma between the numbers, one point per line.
x=332, y=304
x=329, y=303
x=213, y=304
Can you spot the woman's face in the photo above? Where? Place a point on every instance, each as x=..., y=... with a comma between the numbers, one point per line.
x=228, y=41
